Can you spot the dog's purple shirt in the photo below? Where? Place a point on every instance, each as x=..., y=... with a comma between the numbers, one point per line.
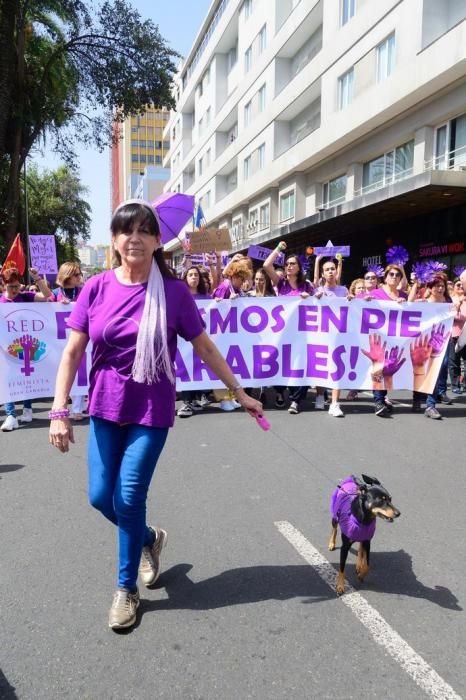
x=340, y=508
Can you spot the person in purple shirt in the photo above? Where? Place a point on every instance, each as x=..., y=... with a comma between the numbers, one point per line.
x=330, y=288
x=236, y=273
x=388, y=291
x=132, y=314
x=12, y=294
x=193, y=401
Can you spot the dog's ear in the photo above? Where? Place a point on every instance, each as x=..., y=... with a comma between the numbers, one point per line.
x=371, y=480
x=360, y=484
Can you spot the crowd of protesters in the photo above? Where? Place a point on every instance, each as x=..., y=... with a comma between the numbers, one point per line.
x=240, y=277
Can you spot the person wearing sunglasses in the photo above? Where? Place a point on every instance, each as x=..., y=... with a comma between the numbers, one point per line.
x=388, y=291
x=69, y=284
x=370, y=282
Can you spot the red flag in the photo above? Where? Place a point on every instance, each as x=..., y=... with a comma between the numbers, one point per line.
x=15, y=257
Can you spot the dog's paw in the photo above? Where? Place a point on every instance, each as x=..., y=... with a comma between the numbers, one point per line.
x=340, y=587
x=362, y=571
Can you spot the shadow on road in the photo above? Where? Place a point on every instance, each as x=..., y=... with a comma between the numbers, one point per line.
x=7, y=692
x=4, y=468
x=390, y=573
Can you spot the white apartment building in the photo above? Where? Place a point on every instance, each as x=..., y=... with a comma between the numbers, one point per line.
x=309, y=120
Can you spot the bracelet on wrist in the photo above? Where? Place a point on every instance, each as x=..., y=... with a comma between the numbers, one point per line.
x=59, y=413
x=235, y=388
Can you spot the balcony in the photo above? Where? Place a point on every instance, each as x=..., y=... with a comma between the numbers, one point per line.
x=298, y=120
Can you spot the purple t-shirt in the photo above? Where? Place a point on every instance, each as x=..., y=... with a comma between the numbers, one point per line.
x=225, y=290
x=380, y=293
x=21, y=298
x=337, y=291
x=284, y=288
x=109, y=313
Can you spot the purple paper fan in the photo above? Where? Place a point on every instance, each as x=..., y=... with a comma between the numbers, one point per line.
x=397, y=255
x=433, y=269
x=421, y=271
x=376, y=269
x=458, y=269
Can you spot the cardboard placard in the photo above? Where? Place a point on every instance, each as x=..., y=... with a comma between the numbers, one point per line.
x=43, y=254
x=331, y=250
x=207, y=239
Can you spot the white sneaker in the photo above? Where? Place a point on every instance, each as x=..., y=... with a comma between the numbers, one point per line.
x=293, y=409
x=319, y=404
x=10, y=423
x=185, y=411
x=236, y=403
x=204, y=401
x=27, y=416
x=335, y=410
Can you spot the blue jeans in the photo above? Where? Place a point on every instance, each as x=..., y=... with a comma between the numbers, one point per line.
x=441, y=384
x=379, y=395
x=122, y=460
x=10, y=409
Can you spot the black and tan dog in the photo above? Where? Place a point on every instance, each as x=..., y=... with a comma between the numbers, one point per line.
x=355, y=506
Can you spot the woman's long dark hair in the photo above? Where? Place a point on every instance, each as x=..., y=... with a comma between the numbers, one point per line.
x=201, y=287
x=126, y=218
x=269, y=290
x=301, y=277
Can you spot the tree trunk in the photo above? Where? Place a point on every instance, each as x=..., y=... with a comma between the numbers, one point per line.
x=8, y=17
x=16, y=150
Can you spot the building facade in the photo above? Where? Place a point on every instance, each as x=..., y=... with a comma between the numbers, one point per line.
x=310, y=120
x=138, y=154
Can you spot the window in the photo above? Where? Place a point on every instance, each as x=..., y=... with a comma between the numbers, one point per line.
x=247, y=8
x=253, y=221
x=261, y=156
x=345, y=89
x=158, y=144
x=200, y=166
x=207, y=117
x=150, y=143
x=261, y=99
x=287, y=206
x=150, y=158
x=348, y=8
x=134, y=143
x=334, y=191
x=385, y=58
x=450, y=145
x=207, y=158
x=158, y=160
x=232, y=57
x=247, y=168
x=264, y=215
x=204, y=201
x=247, y=113
x=142, y=158
x=166, y=145
x=134, y=129
x=134, y=158
x=389, y=167
x=262, y=39
x=248, y=59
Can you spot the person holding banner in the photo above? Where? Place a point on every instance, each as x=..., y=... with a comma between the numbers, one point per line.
x=132, y=314
x=235, y=274
x=330, y=287
x=192, y=400
x=69, y=281
x=388, y=291
x=12, y=294
x=293, y=283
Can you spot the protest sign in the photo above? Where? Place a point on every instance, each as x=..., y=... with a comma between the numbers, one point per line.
x=207, y=239
x=331, y=250
x=257, y=252
x=43, y=254
x=283, y=341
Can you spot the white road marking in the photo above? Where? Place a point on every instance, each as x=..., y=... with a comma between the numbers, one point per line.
x=419, y=670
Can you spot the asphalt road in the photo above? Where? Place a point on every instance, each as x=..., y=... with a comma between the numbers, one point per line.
x=241, y=610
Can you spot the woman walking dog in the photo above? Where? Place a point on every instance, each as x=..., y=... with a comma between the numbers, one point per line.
x=133, y=315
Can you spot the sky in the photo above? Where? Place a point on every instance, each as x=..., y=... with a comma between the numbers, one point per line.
x=179, y=22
